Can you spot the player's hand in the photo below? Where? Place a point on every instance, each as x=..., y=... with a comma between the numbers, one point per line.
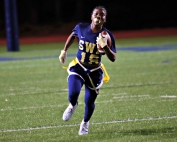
x=102, y=40
x=62, y=56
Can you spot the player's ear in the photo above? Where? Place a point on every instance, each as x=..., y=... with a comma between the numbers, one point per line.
x=105, y=20
x=91, y=16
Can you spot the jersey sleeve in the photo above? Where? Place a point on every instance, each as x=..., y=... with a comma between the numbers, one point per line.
x=76, y=30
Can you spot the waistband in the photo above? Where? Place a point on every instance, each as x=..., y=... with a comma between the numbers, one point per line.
x=76, y=61
x=86, y=69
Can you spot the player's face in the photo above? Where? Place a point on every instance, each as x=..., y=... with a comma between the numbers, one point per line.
x=99, y=16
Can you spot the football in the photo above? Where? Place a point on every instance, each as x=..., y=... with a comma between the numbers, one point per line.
x=103, y=33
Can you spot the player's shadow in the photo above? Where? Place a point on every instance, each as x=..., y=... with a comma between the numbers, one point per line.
x=168, y=131
x=164, y=131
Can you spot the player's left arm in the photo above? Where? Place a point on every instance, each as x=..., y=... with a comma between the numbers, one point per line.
x=107, y=43
x=109, y=53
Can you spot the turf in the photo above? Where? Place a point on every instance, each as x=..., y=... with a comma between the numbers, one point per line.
x=137, y=104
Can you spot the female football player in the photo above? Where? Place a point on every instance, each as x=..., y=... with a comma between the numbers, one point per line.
x=87, y=68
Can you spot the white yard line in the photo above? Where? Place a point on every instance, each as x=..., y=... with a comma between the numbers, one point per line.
x=169, y=96
x=119, y=98
x=136, y=96
x=93, y=123
x=66, y=90
x=32, y=107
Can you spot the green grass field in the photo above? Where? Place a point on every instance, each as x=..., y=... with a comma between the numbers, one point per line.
x=138, y=104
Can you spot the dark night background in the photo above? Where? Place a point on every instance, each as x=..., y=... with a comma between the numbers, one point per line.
x=37, y=17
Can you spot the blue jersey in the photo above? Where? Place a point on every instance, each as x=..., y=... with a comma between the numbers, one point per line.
x=87, y=51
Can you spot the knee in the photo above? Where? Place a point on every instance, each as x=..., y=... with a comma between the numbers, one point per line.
x=90, y=104
x=73, y=95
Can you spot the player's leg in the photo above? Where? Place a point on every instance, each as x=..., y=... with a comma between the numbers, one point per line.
x=90, y=97
x=75, y=84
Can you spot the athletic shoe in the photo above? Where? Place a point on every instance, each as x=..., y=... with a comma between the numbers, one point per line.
x=84, y=128
x=69, y=111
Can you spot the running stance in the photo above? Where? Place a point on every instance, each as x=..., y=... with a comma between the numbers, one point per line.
x=86, y=69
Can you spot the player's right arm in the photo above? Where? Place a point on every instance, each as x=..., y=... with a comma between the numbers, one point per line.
x=68, y=43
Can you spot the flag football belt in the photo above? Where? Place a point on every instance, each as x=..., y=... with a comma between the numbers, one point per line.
x=76, y=61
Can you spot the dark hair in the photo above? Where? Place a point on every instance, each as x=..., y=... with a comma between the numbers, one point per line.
x=100, y=7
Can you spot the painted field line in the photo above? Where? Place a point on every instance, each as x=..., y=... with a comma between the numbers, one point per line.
x=37, y=107
x=32, y=93
x=58, y=92
x=169, y=96
x=139, y=84
x=102, y=89
x=137, y=96
x=121, y=98
x=32, y=107
x=93, y=123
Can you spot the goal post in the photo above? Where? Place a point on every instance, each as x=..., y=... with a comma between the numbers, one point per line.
x=11, y=22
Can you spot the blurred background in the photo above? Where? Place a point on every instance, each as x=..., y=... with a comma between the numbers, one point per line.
x=46, y=17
